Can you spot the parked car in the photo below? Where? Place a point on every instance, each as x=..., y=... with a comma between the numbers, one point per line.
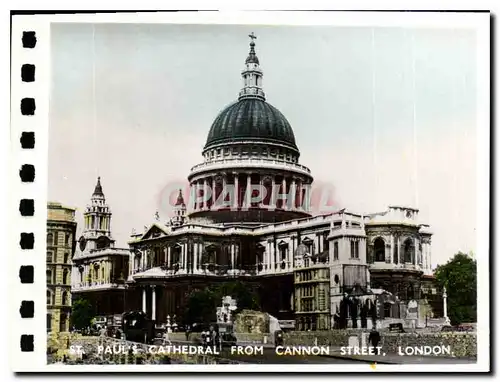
x=99, y=322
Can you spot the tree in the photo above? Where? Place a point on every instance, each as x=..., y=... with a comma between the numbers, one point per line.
x=82, y=314
x=459, y=277
x=202, y=304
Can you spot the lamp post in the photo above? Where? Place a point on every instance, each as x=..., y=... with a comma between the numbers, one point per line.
x=445, y=306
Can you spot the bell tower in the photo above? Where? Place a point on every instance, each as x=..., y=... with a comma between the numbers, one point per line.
x=179, y=211
x=97, y=216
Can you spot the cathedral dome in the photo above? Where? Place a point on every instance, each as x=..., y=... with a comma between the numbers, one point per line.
x=251, y=119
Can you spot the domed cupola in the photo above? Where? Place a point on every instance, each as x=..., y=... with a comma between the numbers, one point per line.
x=250, y=153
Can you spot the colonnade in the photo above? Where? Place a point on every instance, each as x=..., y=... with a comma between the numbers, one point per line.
x=212, y=193
x=96, y=221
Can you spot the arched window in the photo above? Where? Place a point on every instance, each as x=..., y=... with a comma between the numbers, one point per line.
x=379, y=249
x=409, y=249
x=49, y=276
x=282, y=250
x=336, y=250
x=64, y=298
x=66, y=258
x=65, y=277
x=49, y=297
x=50, y=239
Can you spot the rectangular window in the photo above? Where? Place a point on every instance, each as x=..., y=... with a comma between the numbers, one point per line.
x=326, y=243
x=49, y=257
x=336, y=250
x=354, y=250
x=49, y=276
x=56, y=238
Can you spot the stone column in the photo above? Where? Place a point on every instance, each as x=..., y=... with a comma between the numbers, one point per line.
x=261, y=192
x=144, y=299
x=287, y=258
x=273, y=256
x=294, y=194
x=272, y=202
x=267, y=256
x=248, y=191
x=169, y=255
x=212, y=195
x=233, y=265
x=392, y=249
x=399, y=252
x=236, y=191
x=284, y=202
x=205, y=193
x=181, y=260
x=153, y=302
x=299, y=194
x=195, y=257
x=415, y=252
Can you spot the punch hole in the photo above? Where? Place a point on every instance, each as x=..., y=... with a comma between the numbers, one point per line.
x=27, y=309
x=27, y=207
x=28, y=73
x=27, y=342
x=26, y=273
x=27, y=173
x=27, y=140
x=28, y=106
x=29, y=39
x=27, y=240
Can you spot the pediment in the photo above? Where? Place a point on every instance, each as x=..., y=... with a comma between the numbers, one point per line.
x=153, y=232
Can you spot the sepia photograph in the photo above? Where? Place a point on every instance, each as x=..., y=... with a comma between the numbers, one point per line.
x=234, y=193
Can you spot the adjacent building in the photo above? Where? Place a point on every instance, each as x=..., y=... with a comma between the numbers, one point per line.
x=99, y=269
x=61, y=231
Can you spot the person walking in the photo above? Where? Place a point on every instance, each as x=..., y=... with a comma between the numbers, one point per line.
x=374, y=337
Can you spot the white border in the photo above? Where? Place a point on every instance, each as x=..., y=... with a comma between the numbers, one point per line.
x=36, y=361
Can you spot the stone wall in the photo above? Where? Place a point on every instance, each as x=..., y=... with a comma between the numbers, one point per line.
x=462, y=344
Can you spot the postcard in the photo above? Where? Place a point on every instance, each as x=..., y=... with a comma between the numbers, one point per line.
x=239, y=191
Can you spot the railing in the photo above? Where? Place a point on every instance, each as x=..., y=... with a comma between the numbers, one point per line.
x=249, y=163
x=95, y=285
x=212, y=269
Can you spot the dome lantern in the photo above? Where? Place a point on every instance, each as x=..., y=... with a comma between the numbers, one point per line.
x=252, y=75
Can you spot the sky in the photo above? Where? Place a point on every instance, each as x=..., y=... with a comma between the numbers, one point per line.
x=387, y=116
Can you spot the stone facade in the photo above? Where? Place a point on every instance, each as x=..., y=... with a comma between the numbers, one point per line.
x=61, y=230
